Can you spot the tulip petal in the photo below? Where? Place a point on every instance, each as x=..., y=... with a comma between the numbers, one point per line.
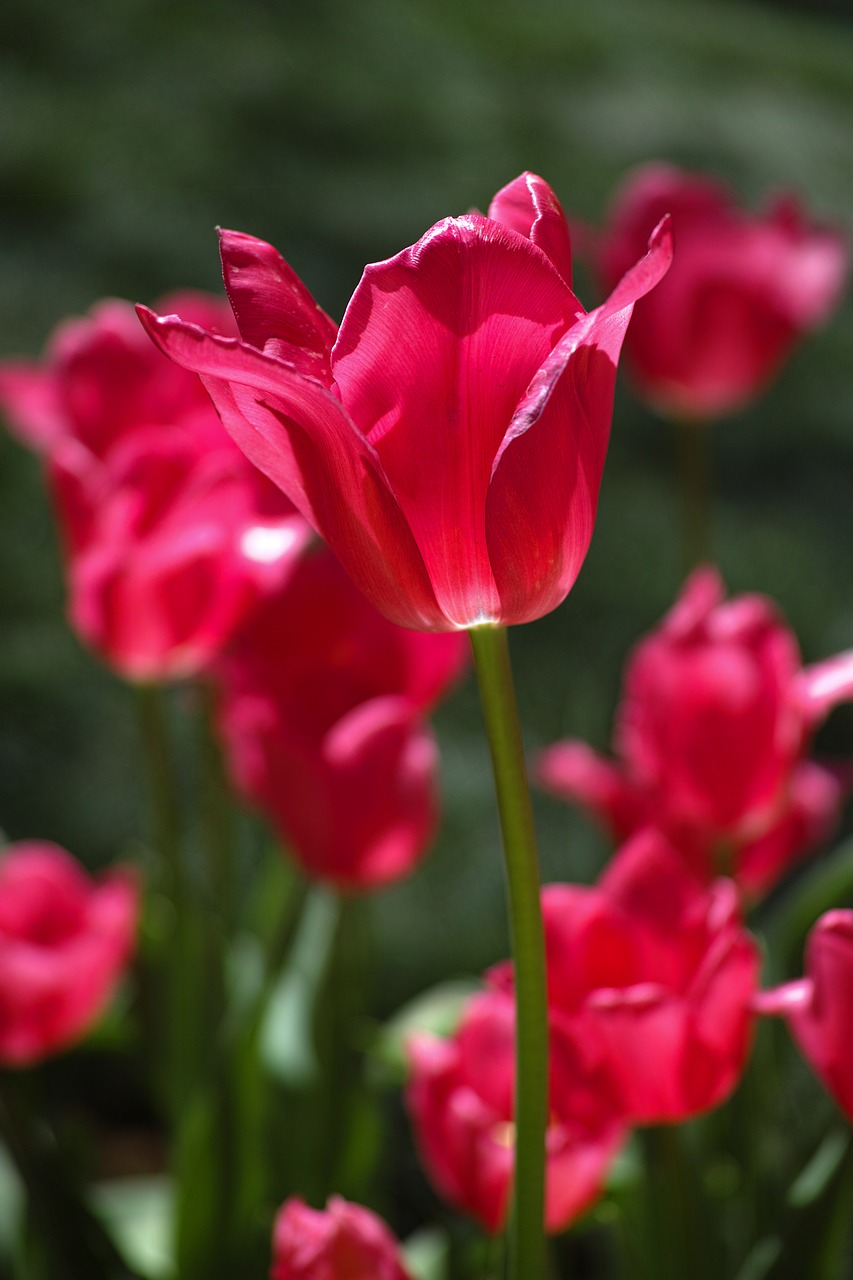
x=437, y=347
x=299, y=435
x=529, y=205
x=29, y=397
x=274, y=310
x=574, y=772
x=545, y=481
x=824, y=685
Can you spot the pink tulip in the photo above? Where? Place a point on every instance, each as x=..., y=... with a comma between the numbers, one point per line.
x=448, y=443
x=660, y=973
x=344, y=1241
x=742, y=291
x=711, y=735
x=170, y=536
x=819, y=1008
x=460, y=1098
x=65, y=942
x=322, y=718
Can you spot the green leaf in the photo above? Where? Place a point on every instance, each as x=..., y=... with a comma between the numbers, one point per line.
x=287, y=1037
x=427, y=1254
x=139, y=1214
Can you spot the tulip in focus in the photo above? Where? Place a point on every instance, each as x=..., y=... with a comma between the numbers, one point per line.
x=170, y=536
x=819, y=1008
x=660, y=973
x=322, y=710
x=65, y=942
x=460, y=1098
x=448, y=443
x=711, y=738
x=743, y=289
x=344, y=1241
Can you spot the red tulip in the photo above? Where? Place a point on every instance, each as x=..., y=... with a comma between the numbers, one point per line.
x=65, y=942
x=322, y=718
x=460, y=1098
x=170, y=536
x=716, y=716
x=819, y=1008
x=449, y=443
x=660, y=972
x=742, y=290
x=344, y=1241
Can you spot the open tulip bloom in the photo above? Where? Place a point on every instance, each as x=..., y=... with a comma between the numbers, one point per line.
x=448, y=442
x=711, y=739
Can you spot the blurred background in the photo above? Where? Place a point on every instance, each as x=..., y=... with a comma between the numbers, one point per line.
x=340, y=133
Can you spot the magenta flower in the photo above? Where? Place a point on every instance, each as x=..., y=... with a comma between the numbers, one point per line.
x=711, y=737
x=170, y=536
x=460, y=1098
x=322, y=717
x=742, y=291
x=344, y=1241
x=65, y=942
x=819, y=1007
x=448, y=444
x=660, y=973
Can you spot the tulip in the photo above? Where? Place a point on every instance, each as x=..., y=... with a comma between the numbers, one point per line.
x=170, y=537
x=344, y=1241
x=819, y=1007
x=460, y=1097
x=321, y=714
x=65, y=941
x=711, y=737
x=742, y=291
x=448, y=443
x=659, y=972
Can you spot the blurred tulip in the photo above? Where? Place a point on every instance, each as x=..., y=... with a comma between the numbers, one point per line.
x=660, y=972
x=448, y=444
x=742, y=291
x=344, y=1241
x=716, y=716
x=170, y=536
x=65, y=942
x=819, y=1008
x=322, y=711
x=460, y=1097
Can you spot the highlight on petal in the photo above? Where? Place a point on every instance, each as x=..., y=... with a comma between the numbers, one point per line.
x=822, y=686
x=530, y=206
x=547, y=471
x=437, y=346
x=274, y=310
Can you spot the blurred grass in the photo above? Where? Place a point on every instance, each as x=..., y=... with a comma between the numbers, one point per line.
x=341, y=132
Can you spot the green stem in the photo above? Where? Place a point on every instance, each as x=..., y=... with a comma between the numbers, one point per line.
x=694, y=470
x=71, y=1238
x=500, y=714
x=165, y=807
x=180, y=952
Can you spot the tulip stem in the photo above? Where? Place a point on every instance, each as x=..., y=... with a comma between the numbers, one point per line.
x=500, y=714
x=694, y=467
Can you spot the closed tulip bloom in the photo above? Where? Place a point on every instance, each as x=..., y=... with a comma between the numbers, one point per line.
x=322, y=716
x=743, y=289
x=65, y=941
x=460, y=1098
x=661, y=973
x=711, y=736
x=170, y=536
x=344, y=1241
x=448, y=442
x=819, y=1007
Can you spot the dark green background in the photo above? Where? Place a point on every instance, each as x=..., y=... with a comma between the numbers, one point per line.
x=340, y=132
